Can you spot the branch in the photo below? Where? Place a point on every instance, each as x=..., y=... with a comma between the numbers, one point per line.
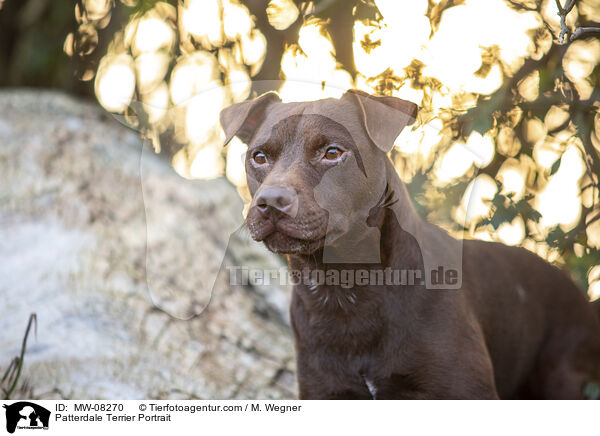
x=566, y=9
x=593, y=220
x=583, y=30
x=562, y=13
x=520, y=6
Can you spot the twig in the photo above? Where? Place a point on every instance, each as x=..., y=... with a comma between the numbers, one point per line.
x=593, y=220
x=16, y=365
x=317, y=9
x=562, y=13
x=583, y=30
x=521, y=6
x=9, y=373
x=569, y=6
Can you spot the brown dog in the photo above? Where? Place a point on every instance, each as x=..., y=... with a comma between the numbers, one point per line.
x=390, y=306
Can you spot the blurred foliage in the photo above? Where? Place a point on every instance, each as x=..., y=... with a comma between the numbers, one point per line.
x=540, y=118
x=32, y=34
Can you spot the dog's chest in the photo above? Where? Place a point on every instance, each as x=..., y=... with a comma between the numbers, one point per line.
x=347, y=375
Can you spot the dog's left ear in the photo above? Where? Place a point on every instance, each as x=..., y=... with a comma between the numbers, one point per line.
x=242, y=119
x=384, y=117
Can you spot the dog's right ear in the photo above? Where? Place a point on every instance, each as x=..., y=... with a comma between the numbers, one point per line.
x=242, y=119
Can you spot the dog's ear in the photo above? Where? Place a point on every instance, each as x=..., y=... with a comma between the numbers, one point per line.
x=242, y=119
x=384, y=117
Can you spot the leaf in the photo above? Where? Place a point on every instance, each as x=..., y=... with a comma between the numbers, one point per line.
x=367, y=44
x=555, y=166
x=527, y=211
x=556, y=237
x=499, y=200
x=481, y=118
x=535, y=216
x=546, y=83
x=497, y=220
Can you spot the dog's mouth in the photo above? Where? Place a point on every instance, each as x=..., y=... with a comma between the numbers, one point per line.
x=281, y=243
x=288, y=237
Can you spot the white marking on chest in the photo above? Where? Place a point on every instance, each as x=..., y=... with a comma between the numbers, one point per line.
x=371, y=387
x=521, y=292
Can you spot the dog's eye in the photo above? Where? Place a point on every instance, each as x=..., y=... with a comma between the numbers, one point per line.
x=333, y=153
x=260, y=158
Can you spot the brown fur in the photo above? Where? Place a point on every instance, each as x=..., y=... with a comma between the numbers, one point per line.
x=517, y=327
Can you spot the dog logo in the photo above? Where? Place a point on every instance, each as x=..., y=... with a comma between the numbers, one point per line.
x=26, y=415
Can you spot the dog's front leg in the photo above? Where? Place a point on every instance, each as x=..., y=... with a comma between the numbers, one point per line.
x=317, y=383
x=317, y=394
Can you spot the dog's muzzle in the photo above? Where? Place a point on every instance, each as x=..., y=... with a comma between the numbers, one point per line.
x=280, y=198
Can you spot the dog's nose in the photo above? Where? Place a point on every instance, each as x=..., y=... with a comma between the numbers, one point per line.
x=282, y=199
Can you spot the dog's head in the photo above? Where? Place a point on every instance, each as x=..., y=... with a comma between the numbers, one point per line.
x=315, y=169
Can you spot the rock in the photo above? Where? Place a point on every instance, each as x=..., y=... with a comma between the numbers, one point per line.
x=118, y=257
